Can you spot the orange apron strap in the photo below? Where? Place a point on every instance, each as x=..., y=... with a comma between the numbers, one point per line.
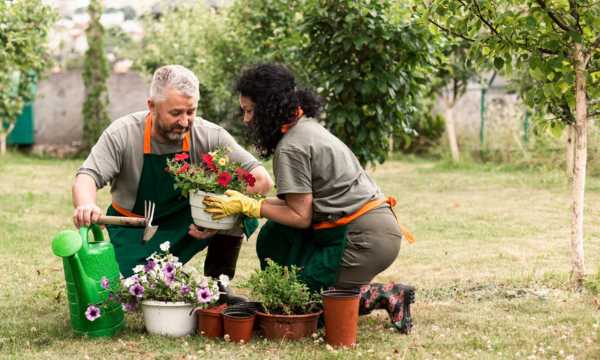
x=349, y=218
x=148, y=134
x=125, y=212
x=286, y=127
x=364, y=209
x=186, y=142
x=405, y=232
x=148, y=137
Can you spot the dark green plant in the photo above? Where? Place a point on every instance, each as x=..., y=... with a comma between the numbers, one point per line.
x=371, y=67
x=95, y=75
x=280, y=290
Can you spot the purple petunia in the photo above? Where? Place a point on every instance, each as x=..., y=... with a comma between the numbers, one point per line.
x=137, y=290
x=185, y=290
x=130, y=307
x=204, y=295
x=150, y=265
x=104, y=282
x=92, y=313
x=169, y=278
x=169, y=268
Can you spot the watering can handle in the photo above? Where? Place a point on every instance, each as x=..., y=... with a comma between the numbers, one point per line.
x=84, y=230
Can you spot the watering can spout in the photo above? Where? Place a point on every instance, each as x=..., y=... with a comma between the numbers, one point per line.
x=67, y=244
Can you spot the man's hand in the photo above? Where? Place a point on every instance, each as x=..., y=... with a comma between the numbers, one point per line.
x=85, y=215
x=235, y=203
x=199, y=233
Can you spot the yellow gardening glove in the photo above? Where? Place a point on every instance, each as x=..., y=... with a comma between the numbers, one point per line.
x=235, y=203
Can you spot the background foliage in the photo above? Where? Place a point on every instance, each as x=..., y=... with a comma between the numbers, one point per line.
x=24, y=26
x=95, y=75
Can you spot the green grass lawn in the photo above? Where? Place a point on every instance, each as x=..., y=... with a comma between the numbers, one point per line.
x=491, y=265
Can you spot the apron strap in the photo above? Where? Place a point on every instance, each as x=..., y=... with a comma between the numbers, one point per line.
x=124, y=211
x=148, y=137
x=363, y=210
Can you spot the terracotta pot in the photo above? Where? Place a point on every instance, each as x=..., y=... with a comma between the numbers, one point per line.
x=251, y=306
x=341, y=316
x=238, y=324
x=289, y=327
x=210, y=321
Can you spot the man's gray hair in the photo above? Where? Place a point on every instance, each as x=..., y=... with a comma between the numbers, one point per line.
x=176, y=77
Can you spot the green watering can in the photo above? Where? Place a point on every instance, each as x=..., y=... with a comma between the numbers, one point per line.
x=85, y=264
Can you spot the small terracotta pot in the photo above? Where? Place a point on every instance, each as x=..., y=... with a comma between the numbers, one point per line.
x=238, y=324
x=289, y=327
x=210, y=321
x=341, y=316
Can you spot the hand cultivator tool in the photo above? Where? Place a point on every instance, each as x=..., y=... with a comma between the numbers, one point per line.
x=146, y=221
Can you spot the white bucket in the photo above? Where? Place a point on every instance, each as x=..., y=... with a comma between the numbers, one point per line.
x=204, y=219
x=169, y=318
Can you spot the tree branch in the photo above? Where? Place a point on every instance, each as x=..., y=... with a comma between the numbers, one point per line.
x=593, y=114
x=593, y=102
x=485, y=21
x=575, y=14
x=553, y=16
x=448, y=31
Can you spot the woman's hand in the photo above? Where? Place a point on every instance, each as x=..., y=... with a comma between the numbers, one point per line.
x=234, y=203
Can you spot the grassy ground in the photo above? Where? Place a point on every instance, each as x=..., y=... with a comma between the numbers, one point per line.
x=491, y=265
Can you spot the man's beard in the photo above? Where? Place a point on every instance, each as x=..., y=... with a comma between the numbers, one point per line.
x=167, y=133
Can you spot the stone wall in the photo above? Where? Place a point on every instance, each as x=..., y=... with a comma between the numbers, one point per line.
x=59, y=100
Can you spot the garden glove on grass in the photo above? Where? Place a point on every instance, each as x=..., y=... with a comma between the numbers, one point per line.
x=235, y=203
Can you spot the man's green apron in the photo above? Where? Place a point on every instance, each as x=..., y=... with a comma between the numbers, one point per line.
x=172, y=214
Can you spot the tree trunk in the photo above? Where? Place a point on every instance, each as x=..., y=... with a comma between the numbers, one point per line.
x=570, y=148
x=578, y=182
x=450, y=130
x=3, y=137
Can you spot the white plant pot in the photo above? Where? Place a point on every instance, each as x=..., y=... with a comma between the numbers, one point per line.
x=169, y=318
x=204, y=219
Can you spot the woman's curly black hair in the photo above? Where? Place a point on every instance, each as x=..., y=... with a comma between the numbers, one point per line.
x=272, y=88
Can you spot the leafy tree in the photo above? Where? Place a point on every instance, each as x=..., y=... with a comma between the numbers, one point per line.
x=371, y=65
x=453, y=70
x=556, y=41
x=187, y=35
x=24, y=26
x=95, y=75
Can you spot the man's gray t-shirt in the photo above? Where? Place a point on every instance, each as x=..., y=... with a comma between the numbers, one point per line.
x=118, y=156
x=309, y=159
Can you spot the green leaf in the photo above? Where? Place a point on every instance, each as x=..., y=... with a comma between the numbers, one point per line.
x=499, y=63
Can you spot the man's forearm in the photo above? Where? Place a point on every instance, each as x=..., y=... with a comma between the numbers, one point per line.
x=263, y=183
x=84, y=190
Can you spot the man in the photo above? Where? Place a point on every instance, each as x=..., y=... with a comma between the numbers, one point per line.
x=131, y=155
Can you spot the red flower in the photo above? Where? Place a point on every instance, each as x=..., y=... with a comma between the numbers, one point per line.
x=207, y=159
x=245, y=175
x=250, y=179
x=224, y=178
x=181, y=157
x=183, y=168
x=241, y=172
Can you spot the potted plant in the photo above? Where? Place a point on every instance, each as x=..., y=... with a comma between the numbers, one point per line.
x=291, y=311
x=213, y=176
x=167, y=292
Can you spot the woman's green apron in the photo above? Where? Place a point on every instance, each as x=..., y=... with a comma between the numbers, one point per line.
x=172, y=214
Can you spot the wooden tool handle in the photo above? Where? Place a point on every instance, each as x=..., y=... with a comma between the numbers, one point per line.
x=121, y=220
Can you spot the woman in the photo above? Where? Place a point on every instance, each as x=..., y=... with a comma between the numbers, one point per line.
x=330, y=218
